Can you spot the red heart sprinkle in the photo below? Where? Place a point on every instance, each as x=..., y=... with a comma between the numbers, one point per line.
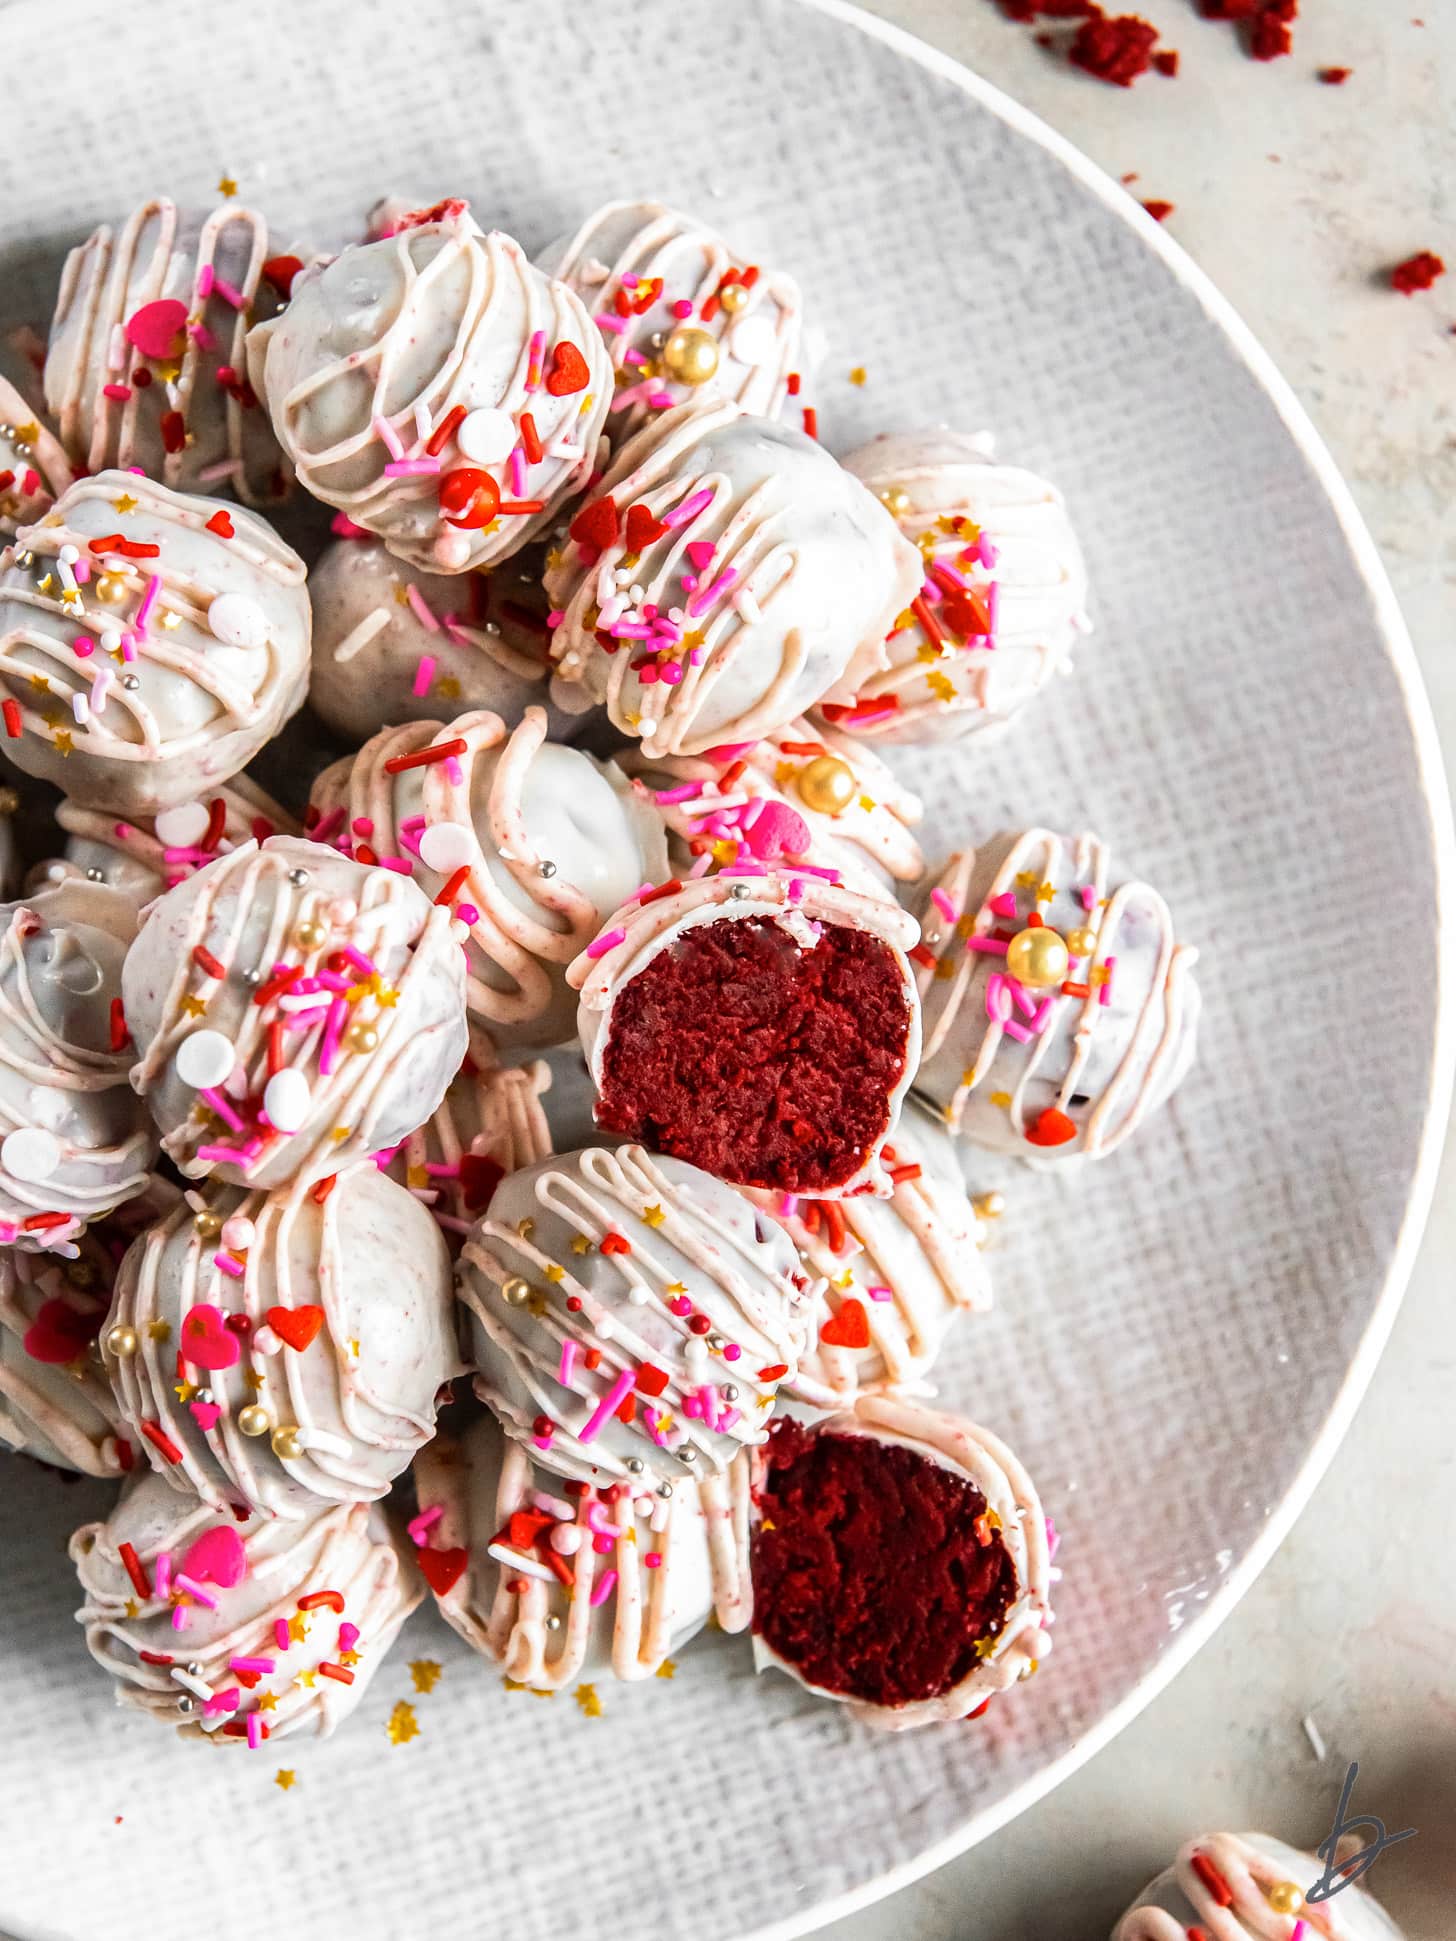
x=280, y=272
x=442, y=1569
x=206, y=1339
x=58, y=1334
x=642, y=528
x=616, y=1243
x=569, y=371
x=296, y=1325
x=221, y=524
x=596, y=524
x=650, y=1380
x=1053, y=1128
x=850, y=1328
x=156, y=328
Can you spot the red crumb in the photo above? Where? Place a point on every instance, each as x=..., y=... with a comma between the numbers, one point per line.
x=1271, y=38
x=1166, y=60
x=1116, y=49
x=868, y=1575
x=1028, y=10
x=1159, y=211
x=1417, y=272
x=1231, y=9
x=1335, y=77
x=764, y=1063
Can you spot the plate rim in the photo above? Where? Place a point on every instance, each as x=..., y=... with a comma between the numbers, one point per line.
x=1435, y=789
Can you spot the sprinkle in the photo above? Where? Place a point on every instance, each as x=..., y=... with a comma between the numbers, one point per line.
x=570, y=1349
x=514, y=1560
x=282, y=1633
x=339, y=1673
x=689, y=509
x=531, y=439
x=195, y=1590
x=608, y=1405
x=420, y=607
x=256, y=1730
x=944, y=903
x=160, y=1440
x=385, y=432
x=138, y=1576
x=11, y=711
x=1212, y=1879
x=261, y=1665
x=444, y=431
x=991, y=946
x=205, y=961
x=411, y=468
x=424, y=673
x=425, y=757
x=603, y=1588
x=402, y=1725
x=599, y=946
x=1104, y=996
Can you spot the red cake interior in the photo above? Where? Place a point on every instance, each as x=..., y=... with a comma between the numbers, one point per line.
x=869, y=1577
x=762, y=1062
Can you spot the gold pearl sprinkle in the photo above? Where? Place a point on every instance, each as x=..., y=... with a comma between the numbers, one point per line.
x=254, y=1421
x=287, y=1446
x=826, y=785
x=1037, y=958
x=989, y=1206
x=309, y=935
x=207, y=1224
x=121, y=1341
x=1284, y=1897
x=362, y=1038
x=732, y=298
x=1081, y=943
x=516, y=1291
x=691, y=355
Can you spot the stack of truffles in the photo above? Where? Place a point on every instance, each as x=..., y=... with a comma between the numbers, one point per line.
x=602, y=661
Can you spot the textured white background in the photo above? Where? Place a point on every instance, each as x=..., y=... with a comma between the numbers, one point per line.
x=1171, y=1333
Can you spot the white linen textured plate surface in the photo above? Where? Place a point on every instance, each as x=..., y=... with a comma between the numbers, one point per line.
x=1181, y=1332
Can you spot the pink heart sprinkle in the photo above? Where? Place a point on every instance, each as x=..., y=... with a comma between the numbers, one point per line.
x=156, y=328
x=205, y=1414
x=1003, y=905
x=700, y=552
x=778, y=831
x=207, y=1341
x=217, y=1557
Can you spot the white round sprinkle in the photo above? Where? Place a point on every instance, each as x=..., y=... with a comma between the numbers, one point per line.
x=184, y=826
x=753, y=341
x=237, y=621
x=110, y=640
x=68, y=555
x=32, y=1153
x=265, y=1342
x=444, y=846
x=286, y=1100
x=488, y=436
x=237, y=1233
x=205, y=1058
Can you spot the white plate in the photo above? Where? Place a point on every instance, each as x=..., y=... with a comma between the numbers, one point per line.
x=1182, y=1334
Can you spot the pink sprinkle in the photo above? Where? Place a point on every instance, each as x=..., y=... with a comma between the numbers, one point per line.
x=1003, y=905
x=1017, y=1031
x=385, y=432
x=998, y=998
x=1104, y=995
x=682, y=308
x=228, y=293
x=518, y=472
x=608, y=320
x=221, y=1702
x=881, y=1293
x=348, y=1636
x=411, y=468
x=83, y=646
x=333, y=1032
x=281, y=1632
x=603, y=1587
x=732, y=1351
x=218, y=1155
x=608, y=941
x=343, y=527
x=653, y=1560
x=1088, y=895
x=944, y=903
x=82, y=568
x=700, y=602
x=261, y=1665
x=1025, y=1002
x=615, y=1396
x=421, y=609
x=684, y=792
x=162, y=1574
x=419, y=1527
x=121, y=392
x=1041, y=1017
x=356, y=957
x=321, y=831
x=204, y=340
x=533, y=359
x=255, y=1730
x=229, y=1264
x=570, y=1349
x=210, y=1096
x=454, y=773
x=206, y=277
x=194, y=1590
x=425, y=672
x=689, y=509
x=149, y=600
x=8, y=1231
x=992, y=946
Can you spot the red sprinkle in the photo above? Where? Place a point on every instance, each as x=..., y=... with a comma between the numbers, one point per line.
x=205, y=961
x=141, y=1583
x=11, y=711
x=1166, y=61
x=440, y=751
x=1335, y=77
x=156, y=1657
x=174, y=432
x=280, y=272
x=1212, y=1879
x=792, y=383
x=157, y=1436
x=531, y=438
x=779, y=1368
x=120, y=1036
x=811, y=421
x=316, y=1599
x=276, y=986
x=221, y=524
x=616, y=1243
x=325, y=1186
x=440, y=437
x=1417, y=272
x=340, y=1672
x=43, y=1222
x=454, y=886
x=650, y=1380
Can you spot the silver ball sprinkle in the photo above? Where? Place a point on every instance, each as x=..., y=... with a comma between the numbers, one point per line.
x=187, y=1706
x=548, y=869
x=687, y=1455
x=664, y=1490
x=94, y=875
x=739, y=891
x=251, y=976
x=298, y=877
x=205, y=1396
x=492, y=627
x=716, y=1342
x=553, y=1622
x=730, y=1391
x=131, y=682
x=635, y=1465
x=195, y=1668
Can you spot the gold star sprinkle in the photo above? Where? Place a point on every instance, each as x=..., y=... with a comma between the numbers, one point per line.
x=417, y=1177
x=226, y=185
x=253, y=1380
x=858, y=374
x=586, y=1698
x=184, y=1391
x=1001, y=1098
x=941, y=686
x=27, y=433
x=426, y=1673
x=348, y=1657
x=1101, y=974
x=194, y=1006
x=159, y=1330
x=554, y=1273
x=580, y=1244
x=448, y=688
x=340, y=1134
x=667, y=1669
x=306, y=1679
x=297, y=1628
x=133, y=1609
x=402, y=1726
x=64, y=744
x=267, y=1701
x=284, y=1777
x=124, y=503
x=653, y=1215
x=1046, y=893
x=676, y=1287
x=1027, y=879
x=169, y=620
x=40, y=683
x=985, y=1647
x=354, y=1347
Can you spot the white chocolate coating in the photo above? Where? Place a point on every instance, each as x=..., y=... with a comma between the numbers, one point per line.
x=402, y=330
x=34, y=470
x=646, y=260
x=347, y=1549
x=798, y=904
x=140, y=859
x=869, y=844
x=508, y=806
x=56, y=1403
x=217, y=629
x=896, y=1271
x=489, y=1123
x=74, y=1140
x=775, y=589
x=1004, y=590
x=392, y=643
x=404, y=984
x=1104, y=1054
x=1248, y=1864
x=620, y=1616
x=360, y=1393
x=982, y=1458
x=192, y=421
x=693, y=1284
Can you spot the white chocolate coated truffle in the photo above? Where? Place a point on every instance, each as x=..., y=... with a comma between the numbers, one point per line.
x=612, y=1279
x=145, y=366
x=740, y=574
x=142, y=857
x=805, y=794
x=895, y=1273
x=1222, y=1882
x=1012, y=1516
x=1003, y=599
x=73, y=1141
x=33, y=468
x=193, y=642
x=393, y=644
x=436, y=351
x=605, y=1584
x=56, y=1403
x=312, y=1329
x=551, y=839
x=1053, y=1045
x=645, y=271
x=290, y=963
x=217, y=1592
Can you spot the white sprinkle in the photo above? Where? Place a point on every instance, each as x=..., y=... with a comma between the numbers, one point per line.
x=204, y=1058
x=513, y=1560
x=1312, y=1733
x=360, y=636
x=488, y=436
x=31, y=1153
x=183, y=826
x=286, y=1099
x=444, y=846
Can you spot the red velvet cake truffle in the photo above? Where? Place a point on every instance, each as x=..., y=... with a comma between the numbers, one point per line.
x=762, y=1027
x=900, y=1562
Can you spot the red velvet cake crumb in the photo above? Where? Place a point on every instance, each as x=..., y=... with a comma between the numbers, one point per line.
x=869, y=1577
x=1116, y=49
x=763, y=1063
x=1417, y=272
